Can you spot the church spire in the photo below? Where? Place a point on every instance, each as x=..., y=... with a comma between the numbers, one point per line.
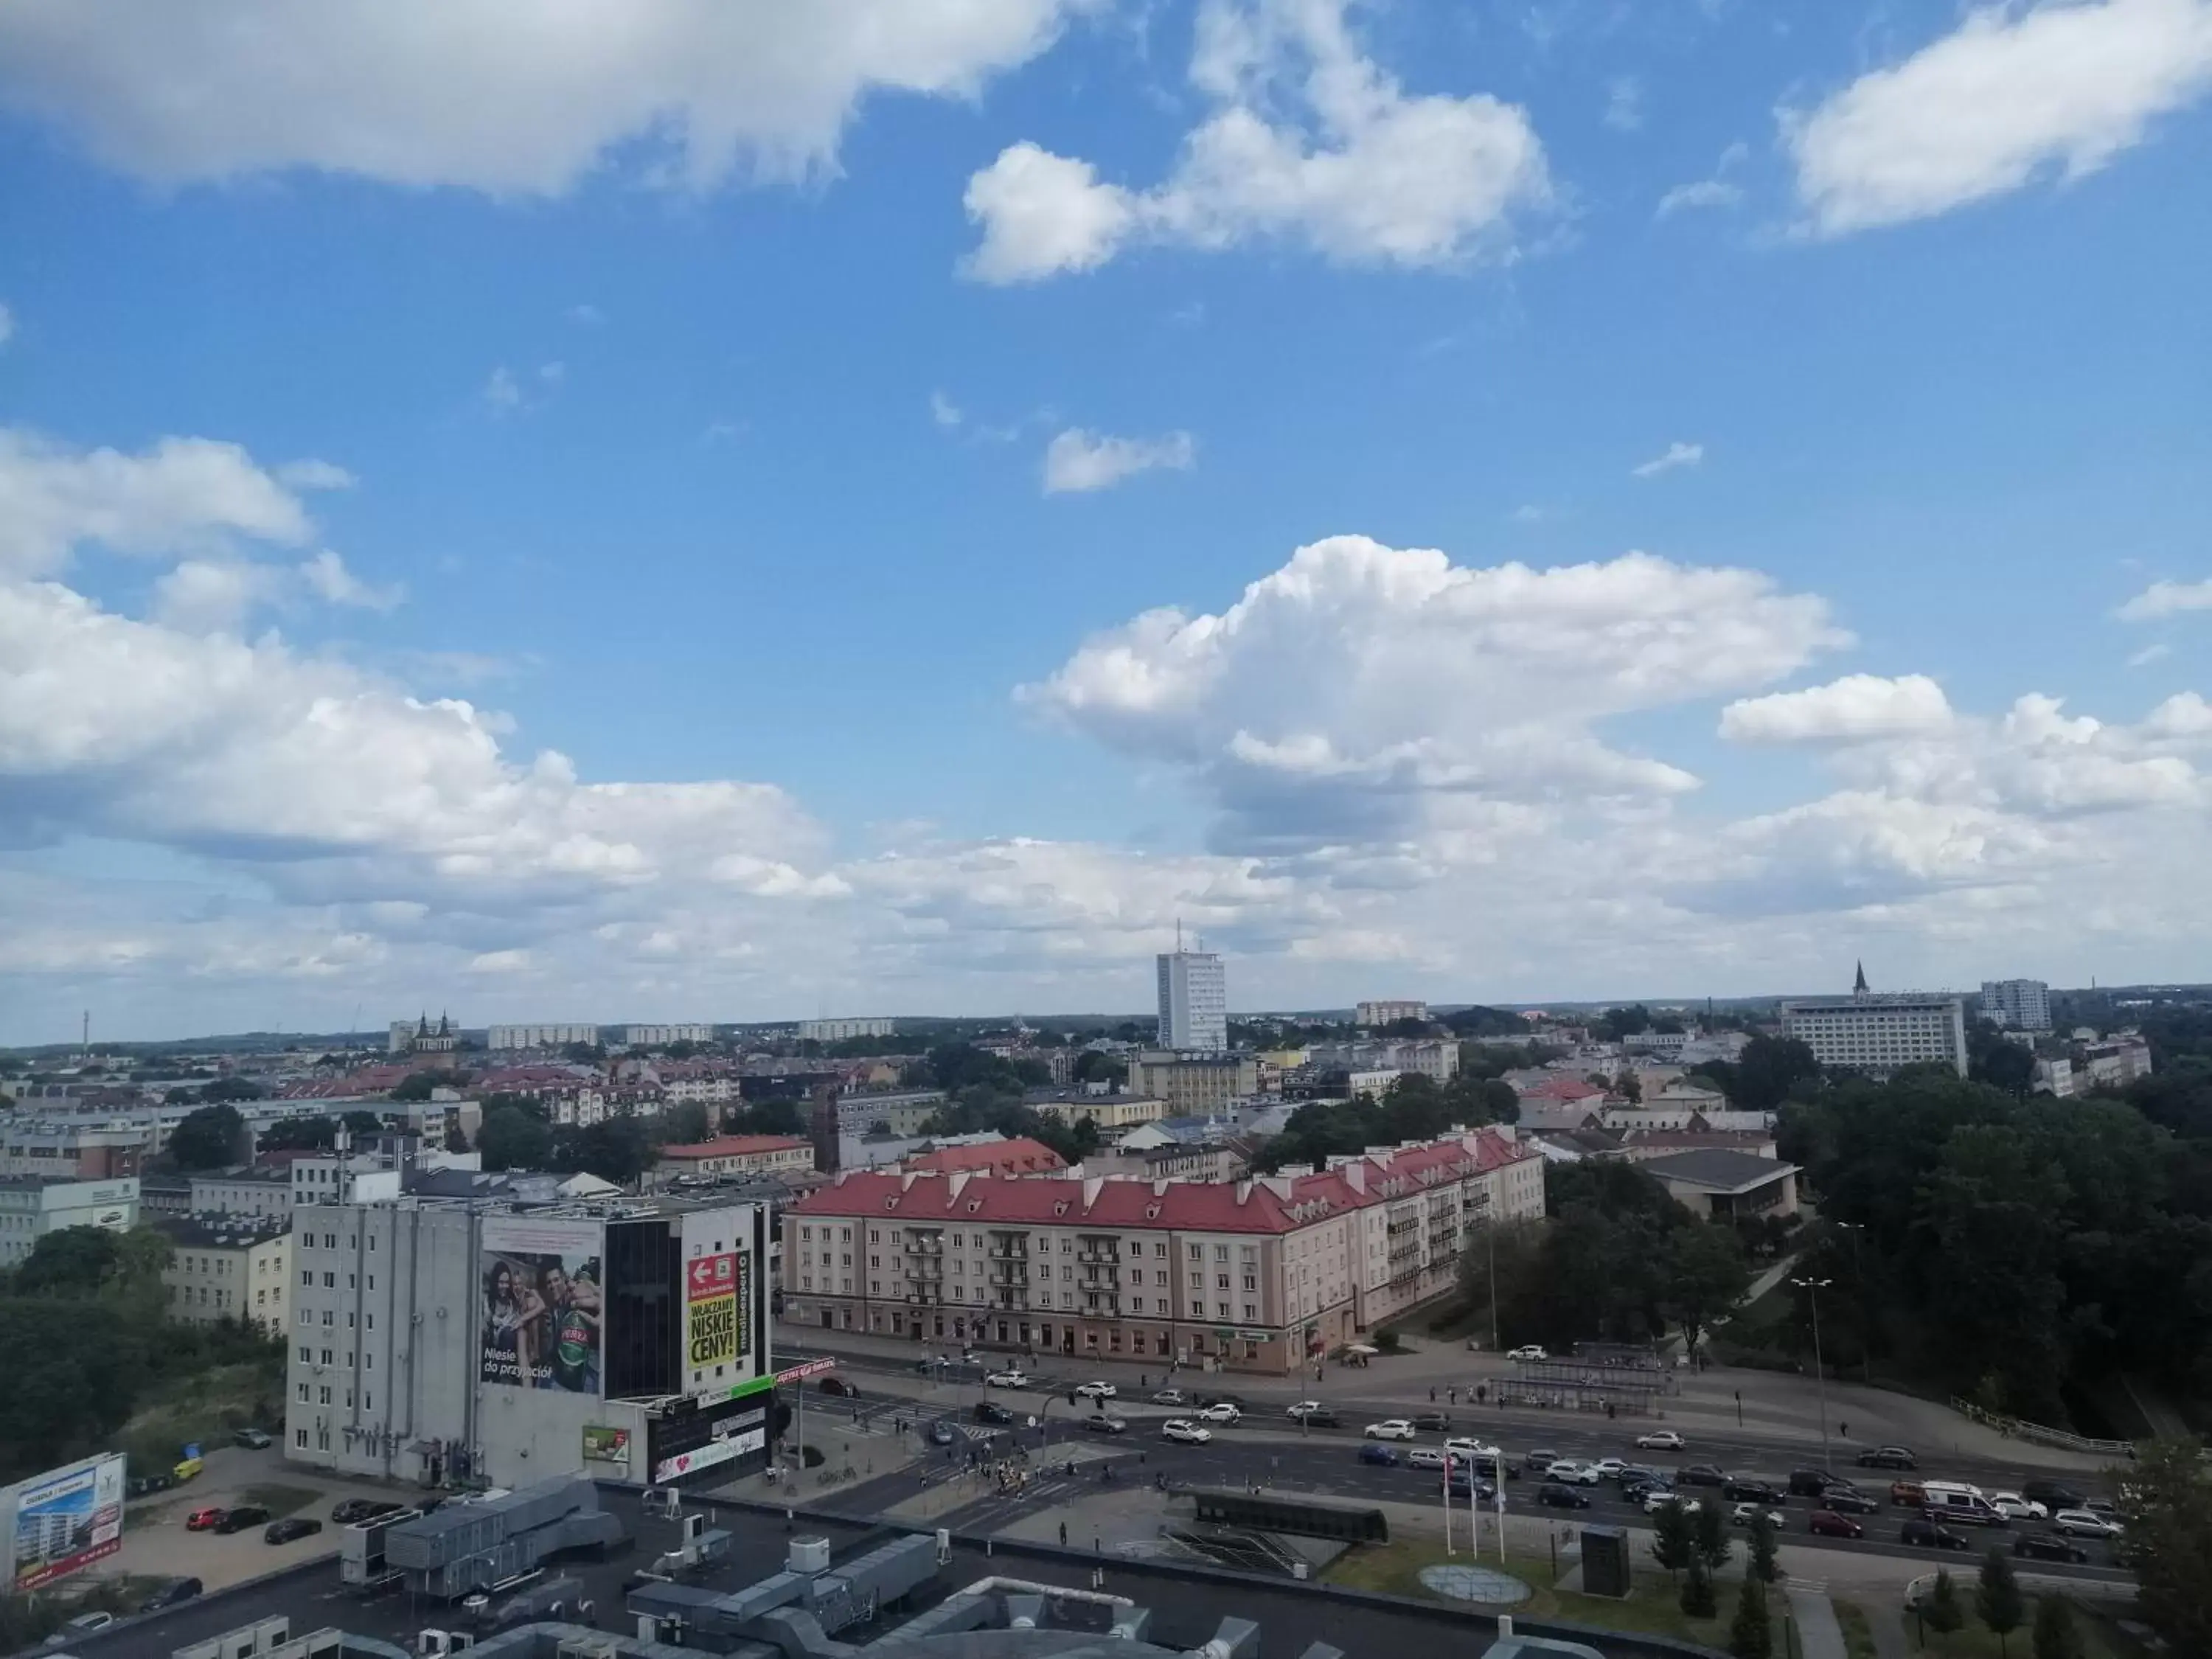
x=1859, y=986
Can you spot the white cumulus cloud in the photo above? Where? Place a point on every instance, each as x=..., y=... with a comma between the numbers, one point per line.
x=1310, y=141
x=2014, y=92
x=1853, y=709
x=513, y=97
x=2164, y=598
x=1366, y=693
x=1076, y=461
x=328, y=578
x=1674, y=455
x=182, y=494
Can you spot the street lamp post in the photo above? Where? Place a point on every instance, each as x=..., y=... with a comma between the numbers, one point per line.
x=1866, y=1320
x=1490, y=1237
x=1813, y=1287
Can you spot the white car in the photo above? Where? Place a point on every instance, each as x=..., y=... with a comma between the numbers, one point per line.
x=1529, y=1350
x=1187, y=1432
x=1303, y=1408
x=1007, y=1380
x=1655, y=1501
x=1574, y=1474
x=1660, y=1440
x=2014, y=1507
x=1426, y=1457
x=1390, y=1428
x=1097, y=1391
x=1744, y=1514
x=2084, y=1523
x=1463, y=1447
x=1610, y=1468
x=1219, y=1411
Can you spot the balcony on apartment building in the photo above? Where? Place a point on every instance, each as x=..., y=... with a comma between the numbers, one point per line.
x=927, y=1244
x=1010, y=1250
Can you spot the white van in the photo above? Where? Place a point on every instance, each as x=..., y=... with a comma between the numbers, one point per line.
x=1950, y=1500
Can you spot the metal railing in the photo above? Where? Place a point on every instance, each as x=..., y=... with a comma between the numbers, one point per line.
x=2040, y=1434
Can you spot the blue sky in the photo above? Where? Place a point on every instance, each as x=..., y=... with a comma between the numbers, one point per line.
x=788, y=420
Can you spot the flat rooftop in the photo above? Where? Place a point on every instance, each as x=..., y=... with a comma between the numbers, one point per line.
x=1186, y=1606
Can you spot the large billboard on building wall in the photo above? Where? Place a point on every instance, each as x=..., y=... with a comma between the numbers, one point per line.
x=62, y=1522
x=714, y=1289
x=540, y=1310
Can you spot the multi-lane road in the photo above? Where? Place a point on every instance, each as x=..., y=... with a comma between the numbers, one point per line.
x=1268, y=1448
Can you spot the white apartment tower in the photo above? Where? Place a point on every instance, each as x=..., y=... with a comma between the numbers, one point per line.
x=1194, y=1001
x=1878, y=1033
x=2022, y=1004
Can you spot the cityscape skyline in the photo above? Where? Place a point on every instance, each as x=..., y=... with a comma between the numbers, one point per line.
x=901, y=533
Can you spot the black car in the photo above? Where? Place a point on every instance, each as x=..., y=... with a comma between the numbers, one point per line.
x=1104, y=1425
x=991, y=1411
x=169, y=1595
x=1930, y=1536
x=292, y=1527
x=1889, y=1457
x=244, y=1515
x=941, y=1433
x=1540, y=1460
x=1701, y=1474
x=1320, y=1417
x=1848, y=1500
x=351, y=1510
x=1631, y=1474
x=2053, y=1495
x=1553, y=1494
x=1811, y=1483
x=1433, y=1422
x=1636, y=1487
x=1751, y=1489
x=1205, y=1398
x=2050, y=1546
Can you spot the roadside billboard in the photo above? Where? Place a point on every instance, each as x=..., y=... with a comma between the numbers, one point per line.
x=540, y=1308
x=713, y=1315
x=62, y=1522
x=606, y=1445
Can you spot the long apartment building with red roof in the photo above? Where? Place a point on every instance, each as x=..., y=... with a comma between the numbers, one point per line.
x=1258, y=1275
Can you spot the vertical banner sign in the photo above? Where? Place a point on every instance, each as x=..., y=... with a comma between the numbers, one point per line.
x=541, y=1308
x=711, y=1284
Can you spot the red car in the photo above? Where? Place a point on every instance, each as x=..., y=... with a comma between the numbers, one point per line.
x=203, y=1520
x=1829, y=1524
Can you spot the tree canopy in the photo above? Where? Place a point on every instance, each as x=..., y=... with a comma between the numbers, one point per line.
x=2001, y=1247
x=208, y=1138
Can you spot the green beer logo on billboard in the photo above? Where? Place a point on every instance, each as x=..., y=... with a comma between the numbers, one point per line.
x=710, y=1306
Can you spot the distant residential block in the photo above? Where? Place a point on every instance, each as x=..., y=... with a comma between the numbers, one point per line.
x=1388, y=1013
x=739, y=1154
x=660, y=1036
x=2022, y=1004
x=227, y=1267
x=1877, y=1032
x=840, y=1030
x=510, y=1037
x=1193, y=1002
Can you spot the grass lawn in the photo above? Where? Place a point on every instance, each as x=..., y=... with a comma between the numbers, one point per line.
x=279, y=1500
x=1973, y=1642
x=1858, y=1633
x=1651, y=1607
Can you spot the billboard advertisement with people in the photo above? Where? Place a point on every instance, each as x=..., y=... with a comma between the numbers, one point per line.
x=62, y=1522
x=541, y=1307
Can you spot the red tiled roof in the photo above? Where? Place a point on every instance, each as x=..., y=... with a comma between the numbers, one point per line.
x=1018, y=1157
x=1267, y=1206
x=734, y=1146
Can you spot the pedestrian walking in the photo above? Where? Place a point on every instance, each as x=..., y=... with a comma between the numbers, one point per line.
x=1063, y=1535
x=1452, y=1392
x=1842, y=1431
x=1432, y=1395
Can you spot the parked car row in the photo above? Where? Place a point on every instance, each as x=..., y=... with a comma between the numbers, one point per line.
x=246, y=1515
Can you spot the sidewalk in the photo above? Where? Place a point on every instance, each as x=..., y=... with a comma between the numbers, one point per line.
x=1818, y=1635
